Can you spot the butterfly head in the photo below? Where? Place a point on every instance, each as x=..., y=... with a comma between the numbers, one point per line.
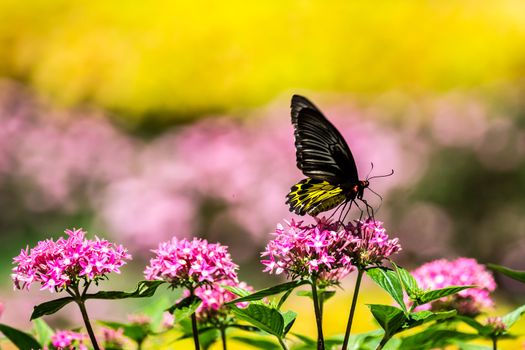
x=360, y=188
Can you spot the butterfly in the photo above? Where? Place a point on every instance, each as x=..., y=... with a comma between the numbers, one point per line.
x=324, y=157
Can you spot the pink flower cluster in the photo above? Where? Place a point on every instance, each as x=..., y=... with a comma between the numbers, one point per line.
x=460, y=272
x=65, y=339
x=329, y=250
x=303, y=250
x=369, y=244
x=113, y=339
x=191, y=263
x=57, y=265
x=213, y=297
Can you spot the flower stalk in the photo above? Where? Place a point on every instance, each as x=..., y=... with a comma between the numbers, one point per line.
x=318, y=315
x=352, y=308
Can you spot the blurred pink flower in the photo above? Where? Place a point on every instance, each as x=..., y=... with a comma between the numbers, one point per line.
x=460, y=272
x=139, y=319
x=168, y=320
x=57, y=265
x=368, y=243
x=113, y=339
x=191, y=263
x=301, y=251
x=65, y=339
x=214, y=296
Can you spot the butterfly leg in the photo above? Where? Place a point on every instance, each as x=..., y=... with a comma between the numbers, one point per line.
x=347, y=211
x=360, y=209
x=369, y=209
x=342, y=211
x=337, y=209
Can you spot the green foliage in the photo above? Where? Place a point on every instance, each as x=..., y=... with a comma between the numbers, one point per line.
x=21, y=339
x=390, y=282
x=185, y=308
x=266, y=318
x=263, y=293
x=514, y=274
x=135, y=332
x=144, y=289
x=42, y=331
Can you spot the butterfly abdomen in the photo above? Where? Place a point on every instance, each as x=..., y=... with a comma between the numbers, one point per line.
x=311, y=196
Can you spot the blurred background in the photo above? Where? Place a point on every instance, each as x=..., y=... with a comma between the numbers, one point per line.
x=142, y=121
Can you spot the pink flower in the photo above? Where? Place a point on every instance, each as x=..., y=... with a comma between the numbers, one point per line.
x=168, y=320
x=369, y=244
x=460, y=272
x=139, y=319
x=113, y=339
x=65, y=339
x=301, y=251
x=191, y=263
x=56, y=265
x=497, y=325
x=214, y=296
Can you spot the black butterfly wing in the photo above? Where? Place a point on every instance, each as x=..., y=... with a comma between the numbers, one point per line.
x=321, y=151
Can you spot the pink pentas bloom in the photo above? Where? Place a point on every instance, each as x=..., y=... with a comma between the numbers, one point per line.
x=65, y=339
x=139, y=319
x=184, y=263
x=57, y=265
x=113, y=338
x=301, y=251
x=213, y=296
x=368, y=243
x=460, y=272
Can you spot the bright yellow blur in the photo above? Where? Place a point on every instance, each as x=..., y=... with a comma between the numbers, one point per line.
x=190, y=57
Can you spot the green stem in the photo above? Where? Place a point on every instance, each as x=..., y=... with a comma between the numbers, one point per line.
x=85, y=316
x=79, y=299
x=382, y=343
x=223, y=337
x=318, y=316
x=352, y=308
x=194, y=328
x=495, y=343
x=283, y=343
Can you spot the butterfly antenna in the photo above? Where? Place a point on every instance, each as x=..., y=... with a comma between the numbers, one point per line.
x=370, y=172
x=386, y=175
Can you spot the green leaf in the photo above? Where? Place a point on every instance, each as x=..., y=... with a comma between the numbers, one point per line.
x=258, y=343
x=42, y=331
x=284, y=298
x=241, y=292
x=431, y=295
x=479, y=327
x=322, y=294
x=432, y=338
x=407, y=280
x=21, y=339
x=390, y=318
x=512, y=317
x=389, y=281
x=50, y=307
x=289, y=319
x=514, y=274
x=305, y=339
x=421, y=317
x=144, y=289
x=263, y=293
x=467, y=346
x=263, y=317
x=185, y=308
x=133, y=331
